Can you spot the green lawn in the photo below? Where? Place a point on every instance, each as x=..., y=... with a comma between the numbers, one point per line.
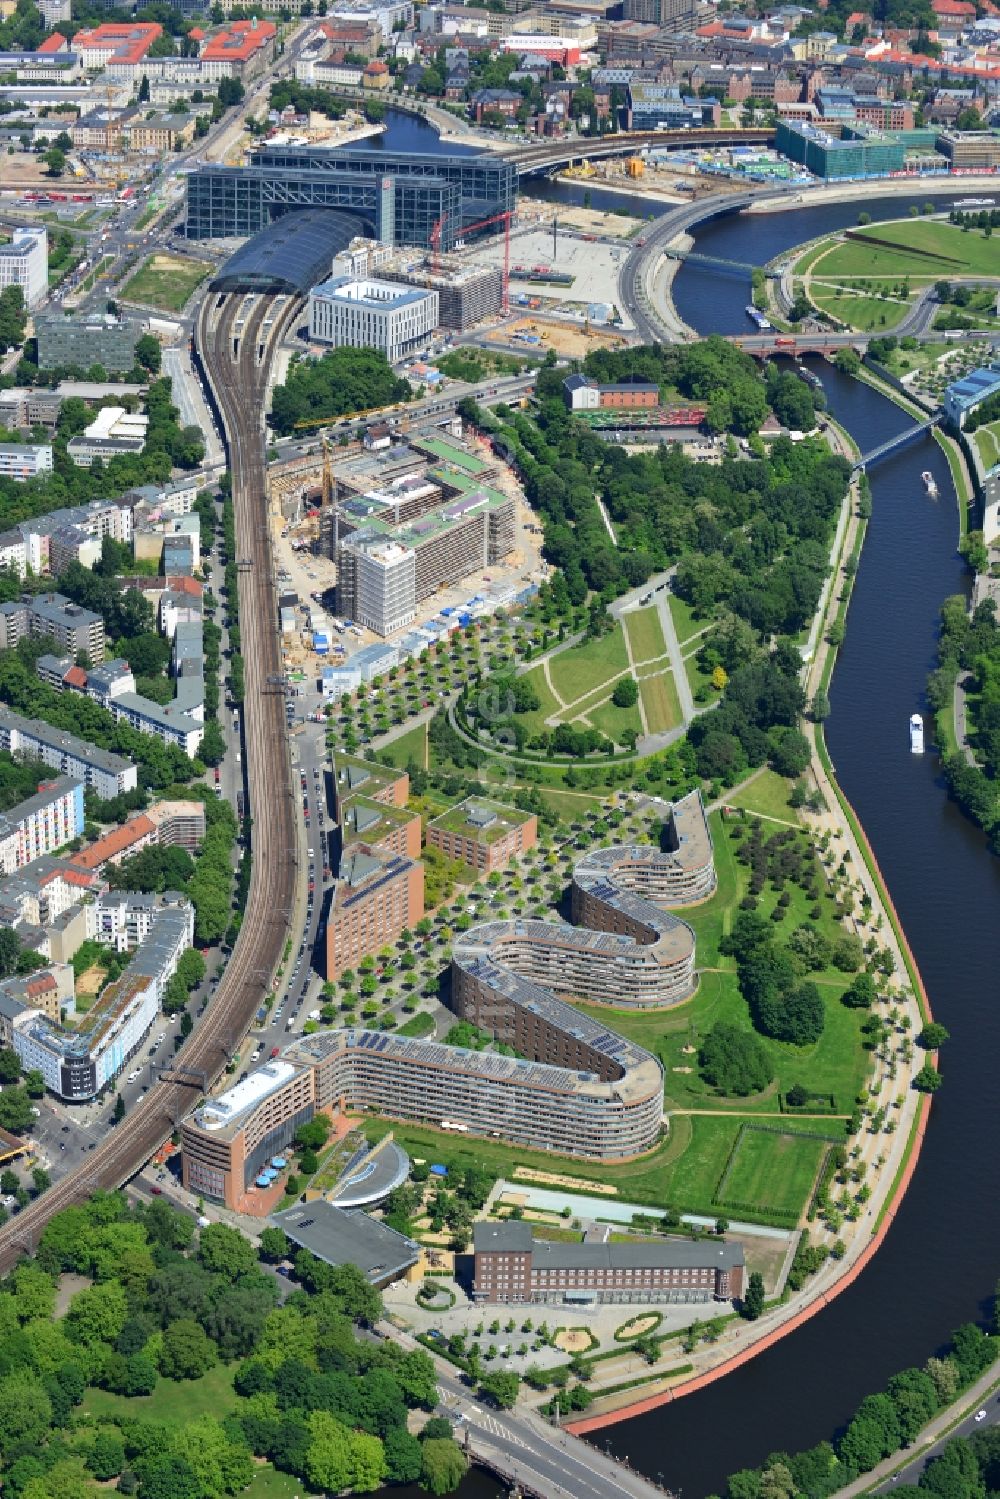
x=911, y=247
x=165, y=281
x=660, y=700
x=683, y=1172
x=645, y=634
x=268, y=1483
x=767, y=794
x=409, y=746
x=174, y=1400
x=774, y=1171
x=582, y=668
x=987, y=440
x=867, y=314
x=686, y=622
x=417, y=1025
x=568, y=804
x=534, y=721
x=615, y=721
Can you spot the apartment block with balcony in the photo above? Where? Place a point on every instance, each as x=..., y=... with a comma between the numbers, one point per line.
x=105, y=773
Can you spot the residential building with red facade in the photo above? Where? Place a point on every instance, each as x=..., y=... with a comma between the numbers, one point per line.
x=484, y=834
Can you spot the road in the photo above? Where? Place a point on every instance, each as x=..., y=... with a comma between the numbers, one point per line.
x=525, y=1448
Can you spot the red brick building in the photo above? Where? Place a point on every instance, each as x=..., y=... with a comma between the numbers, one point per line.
x=376, y=896
x=485, y=834
x=512, y=1266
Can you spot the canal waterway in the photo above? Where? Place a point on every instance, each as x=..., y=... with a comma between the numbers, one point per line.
x=939, y=1262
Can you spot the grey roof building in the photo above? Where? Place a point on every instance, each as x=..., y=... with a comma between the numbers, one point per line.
x=341, y=1238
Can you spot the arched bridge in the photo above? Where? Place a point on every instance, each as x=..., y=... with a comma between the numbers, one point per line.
x=545, y=157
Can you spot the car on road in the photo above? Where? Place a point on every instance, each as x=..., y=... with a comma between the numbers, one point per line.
x=156, y=1191
x=980, y=1415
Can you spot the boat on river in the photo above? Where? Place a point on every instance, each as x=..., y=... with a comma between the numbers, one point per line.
x=916, y=734
x=929, y=483
x=758, y=318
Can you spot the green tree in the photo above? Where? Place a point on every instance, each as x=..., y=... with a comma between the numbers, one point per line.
x=224, y=1251
x=97, y=1315
x=735, y=1061
x=626, y=693
x=501, y=1388
x=928, y=1079
x=55, y=161
x=933, y=1036
x=187, y=1351
x=274, y=1245
x=444, y=1465
x=753, y=1297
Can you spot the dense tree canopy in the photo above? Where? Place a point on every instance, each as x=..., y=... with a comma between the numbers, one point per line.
x=341, y=382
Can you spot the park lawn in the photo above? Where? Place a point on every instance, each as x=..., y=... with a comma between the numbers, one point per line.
x=409, y=746
x=174, y=1401
x=866, y=314
x=766, y=794
x=165, y=281
x=774, y=1172
x=568, y=805
x=660, y=700
x=686, y=623
x=683, y=1171
x=534, y=721
x=905, y=361
x=645, y=634
x=834, y=1066
x=699, y=681
x=581, y=707
x=268, y=1483
x=912, y=247
x=987, y=440
x=578, y=671
x=615, y=722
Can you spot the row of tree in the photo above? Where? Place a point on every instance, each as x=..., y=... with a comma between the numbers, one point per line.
x=888, y=1421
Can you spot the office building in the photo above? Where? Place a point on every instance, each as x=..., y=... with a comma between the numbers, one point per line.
x=513, y=1267
x=469, y=533
x=401, y=195
x=375, y=897
x=372, y=315
x=376, y=583
x=970, y=150
x=24, y=262
x=353, y=776
x=77, y=1061
x=22, y=461
x=66, y=342
x=41, y=824
x=339, y=1237
x=962, y=397
x=228, y=1141
x=106, y=774
x=386, y=828
x=662, y=106
x=467, y=294
x=117, y=48
x=834, y=154
x=113, y=433
x=78, y=631
x=483, y=834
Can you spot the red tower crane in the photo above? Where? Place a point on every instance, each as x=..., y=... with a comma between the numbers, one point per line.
x=497, y=218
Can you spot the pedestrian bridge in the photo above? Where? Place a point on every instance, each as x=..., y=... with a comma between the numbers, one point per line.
x=898, y=441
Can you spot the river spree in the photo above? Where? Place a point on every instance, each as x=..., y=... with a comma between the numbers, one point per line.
x=938, y=1264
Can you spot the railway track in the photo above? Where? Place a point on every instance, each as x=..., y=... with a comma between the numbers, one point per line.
x=237, y=369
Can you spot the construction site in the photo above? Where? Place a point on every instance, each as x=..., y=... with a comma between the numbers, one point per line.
x=370, y=543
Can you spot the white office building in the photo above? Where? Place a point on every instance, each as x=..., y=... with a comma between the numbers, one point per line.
x=370, y=314
x=24, y=460
x=387, y=589
x=24, y=262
